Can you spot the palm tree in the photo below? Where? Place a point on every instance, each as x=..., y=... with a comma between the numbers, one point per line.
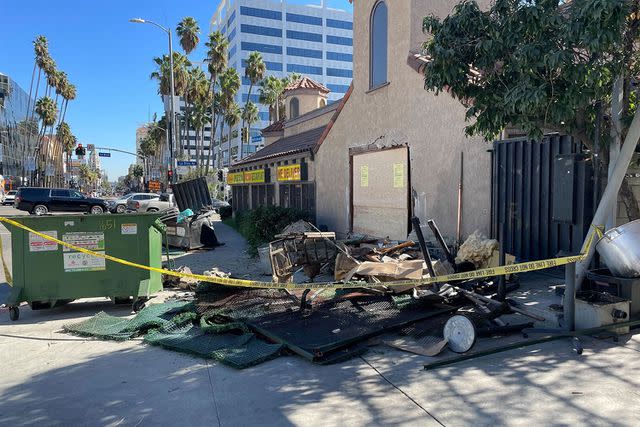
x=229, y=86
x=163, y=75
x=232, y=116
x=254, y=70
x=46, y=110
x=216, y=63
x=41, y=49
x=188, y=31
x=249, y=116
x=68, y=94
x=66, y=140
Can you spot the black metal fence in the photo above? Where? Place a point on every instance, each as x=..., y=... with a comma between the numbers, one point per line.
x=542, y=196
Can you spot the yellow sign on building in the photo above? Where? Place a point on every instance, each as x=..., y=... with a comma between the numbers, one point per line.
x=235, y=178
x=254, y=177
x=289, y=173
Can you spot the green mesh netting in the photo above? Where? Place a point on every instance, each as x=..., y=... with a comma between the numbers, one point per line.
x=238, y=351
x=154, y=316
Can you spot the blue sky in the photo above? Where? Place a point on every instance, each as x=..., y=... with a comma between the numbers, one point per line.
x=108, y=58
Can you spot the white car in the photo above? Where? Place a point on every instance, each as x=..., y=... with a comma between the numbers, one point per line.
x=120, y=205
x=10, y=197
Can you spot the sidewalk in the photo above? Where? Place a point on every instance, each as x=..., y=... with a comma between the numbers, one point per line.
x=50, y=378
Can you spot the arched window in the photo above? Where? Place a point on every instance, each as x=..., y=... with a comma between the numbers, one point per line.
x=294, y=108
x=322, y=103
x=378, y=45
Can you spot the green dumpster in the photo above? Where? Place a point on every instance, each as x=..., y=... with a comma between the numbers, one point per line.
x=46, y=274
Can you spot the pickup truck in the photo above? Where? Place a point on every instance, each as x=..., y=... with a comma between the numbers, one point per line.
x=165, y=201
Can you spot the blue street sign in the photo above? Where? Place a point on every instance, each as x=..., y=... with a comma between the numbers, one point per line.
x=187, y=163
x=104, y=154
x=257, y=138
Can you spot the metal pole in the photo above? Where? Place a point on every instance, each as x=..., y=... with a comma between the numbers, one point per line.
x=173, y=118
x=569, y=302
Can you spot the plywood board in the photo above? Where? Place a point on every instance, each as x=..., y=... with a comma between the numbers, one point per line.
x=381, y=193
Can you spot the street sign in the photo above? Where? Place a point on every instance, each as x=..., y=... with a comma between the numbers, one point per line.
x=154, y=185
x=187, y=163
x=104, y=154
x=49, y=170
x=257, y=138
x=30, y=164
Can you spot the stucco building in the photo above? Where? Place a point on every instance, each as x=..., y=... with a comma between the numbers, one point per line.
x=392, y=149
x=283, y=172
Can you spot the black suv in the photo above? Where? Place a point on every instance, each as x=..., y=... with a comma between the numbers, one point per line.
x=39, y=201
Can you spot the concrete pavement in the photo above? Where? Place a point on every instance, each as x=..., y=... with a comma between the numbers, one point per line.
x=51, y=378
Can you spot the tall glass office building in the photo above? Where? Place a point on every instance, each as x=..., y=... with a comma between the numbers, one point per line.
x=18, y=134
x=313, y=40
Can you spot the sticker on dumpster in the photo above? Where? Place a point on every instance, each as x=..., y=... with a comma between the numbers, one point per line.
x=85, y=239
x=40, y=244
x=78, y=261
x=129, y=228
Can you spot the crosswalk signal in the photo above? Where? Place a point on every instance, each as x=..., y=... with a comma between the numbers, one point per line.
x=80, y=150
x=170, y=175
x=244, y=134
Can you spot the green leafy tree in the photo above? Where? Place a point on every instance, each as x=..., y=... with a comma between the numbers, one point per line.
x=272, y=94
x=538, y=65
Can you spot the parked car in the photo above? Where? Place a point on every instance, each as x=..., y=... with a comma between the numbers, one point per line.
x=165, y=201
x=39, y=201
x=139, y=197
x=119, y=205
x=10, y=197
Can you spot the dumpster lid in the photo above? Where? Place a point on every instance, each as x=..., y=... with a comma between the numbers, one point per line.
x=193, y=194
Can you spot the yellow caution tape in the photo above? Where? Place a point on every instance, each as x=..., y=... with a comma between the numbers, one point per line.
x=477, y=274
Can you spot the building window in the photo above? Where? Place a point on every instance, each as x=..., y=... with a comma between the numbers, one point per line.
x=339, y=72
x=378, y=45
x=322, y=103
x=336, y=23
x=338, y=88
x=304, y=69
x=306, y=53
x=338, y=56
x=232, y=35
x=260, y=13
x=260, y=30
x=303, y=35
x=261, y=47
x=344, y=41
x=294, y=108
x=304, y=19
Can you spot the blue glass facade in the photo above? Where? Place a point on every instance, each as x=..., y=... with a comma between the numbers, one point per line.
x=306, y=53
x=261, y=47
x=337, y=23
x=260, y=13
x=263, y=31
x=18, y=133
x=338, y=88
x=344, y=41
x=304, y=19
x=303, y=35
x=339, y=72
x=338, y=56
x=304, y=69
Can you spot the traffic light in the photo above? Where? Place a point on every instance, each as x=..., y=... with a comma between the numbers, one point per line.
x=220, y=176
x=80, y=150
x=244, y=134
x=170, y=175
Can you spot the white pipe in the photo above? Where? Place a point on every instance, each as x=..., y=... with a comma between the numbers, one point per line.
x=610, y=194
x=614, y=148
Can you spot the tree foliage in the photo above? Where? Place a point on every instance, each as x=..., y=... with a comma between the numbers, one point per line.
x=535, y=64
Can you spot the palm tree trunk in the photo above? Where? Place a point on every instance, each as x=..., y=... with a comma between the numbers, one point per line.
x=64, y=112
x=33, y=75
x=35, y=97
x=220, y=157
x=246, y=104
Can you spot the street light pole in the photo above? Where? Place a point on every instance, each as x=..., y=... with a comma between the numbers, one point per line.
x=172, y=131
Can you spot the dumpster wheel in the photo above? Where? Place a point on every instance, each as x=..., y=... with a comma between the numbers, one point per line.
x=14, y=313
x=139, y=304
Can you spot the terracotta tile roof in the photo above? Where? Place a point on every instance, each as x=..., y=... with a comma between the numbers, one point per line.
x=274, y=127
x=306, y=83
x=299, y=143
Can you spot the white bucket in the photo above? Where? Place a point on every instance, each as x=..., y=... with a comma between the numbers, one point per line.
x=265, y=260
